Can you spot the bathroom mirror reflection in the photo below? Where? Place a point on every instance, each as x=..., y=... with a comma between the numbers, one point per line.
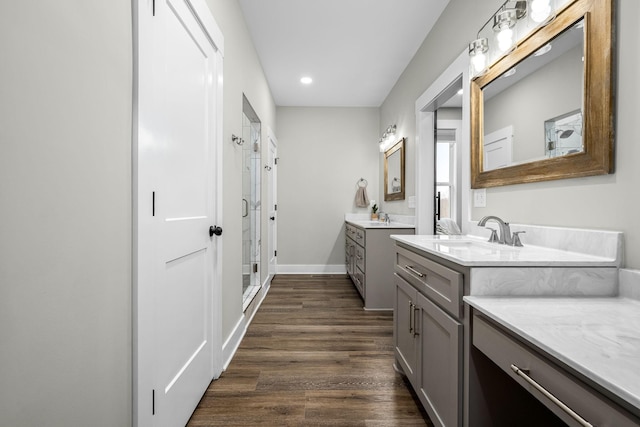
x=560, y=128
x=394, y=172
x=549, y=124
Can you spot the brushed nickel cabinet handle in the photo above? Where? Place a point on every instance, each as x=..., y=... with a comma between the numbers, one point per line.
x=413, y=270
x=522, y=374
x=415, y=328
x=410, y=317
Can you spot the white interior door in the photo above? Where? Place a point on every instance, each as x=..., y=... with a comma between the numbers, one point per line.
x=498, y=149
x=178, y=320
x=273, y=202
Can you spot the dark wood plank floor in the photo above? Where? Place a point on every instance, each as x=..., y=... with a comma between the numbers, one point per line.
x=312, y=357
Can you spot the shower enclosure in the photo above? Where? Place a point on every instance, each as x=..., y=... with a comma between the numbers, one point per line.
x=251, y=187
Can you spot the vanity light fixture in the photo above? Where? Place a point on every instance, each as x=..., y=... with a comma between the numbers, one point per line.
x=508, y=27
x=386, y=138
x=477, y=51
x=541, y=11
x=503, y=23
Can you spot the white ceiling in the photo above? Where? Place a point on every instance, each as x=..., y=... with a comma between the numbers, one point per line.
x=355, y=50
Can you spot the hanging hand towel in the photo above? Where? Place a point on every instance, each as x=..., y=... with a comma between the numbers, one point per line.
x=362, y=200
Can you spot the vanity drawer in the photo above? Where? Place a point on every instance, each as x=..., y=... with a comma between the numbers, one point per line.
x=441, y=284
x=360, y=236
x=360, y=257
x=350, y=230
x=540, y=373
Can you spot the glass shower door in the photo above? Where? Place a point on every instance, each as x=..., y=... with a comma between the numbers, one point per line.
x=251, y=203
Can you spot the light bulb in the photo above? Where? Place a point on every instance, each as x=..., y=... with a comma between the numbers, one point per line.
x=540, y=10
x=505, y=39
x=478, y=59
x=479, y=62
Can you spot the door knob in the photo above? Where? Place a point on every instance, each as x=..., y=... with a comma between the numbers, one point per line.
x=214, y=229
x=273, y=218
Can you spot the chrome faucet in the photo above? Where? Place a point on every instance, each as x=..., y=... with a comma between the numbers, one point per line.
x=505, y=232
x=387, y=220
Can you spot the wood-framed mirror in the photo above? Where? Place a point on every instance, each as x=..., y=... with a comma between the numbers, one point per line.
x=567, y=132
x=394, y=172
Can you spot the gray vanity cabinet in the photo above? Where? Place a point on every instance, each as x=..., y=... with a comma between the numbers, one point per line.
x=406, y=340
x=428, y=347
x=428, y=333
x=350, y=258
x=369, y=258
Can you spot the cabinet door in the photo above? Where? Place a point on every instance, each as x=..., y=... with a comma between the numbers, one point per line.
x=440, y=370
x=404, y=338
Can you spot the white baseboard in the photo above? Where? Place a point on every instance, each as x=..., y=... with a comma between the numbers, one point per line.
x=232, y=343
x=311, y=269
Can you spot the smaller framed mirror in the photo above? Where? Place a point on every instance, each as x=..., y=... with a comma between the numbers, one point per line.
x=394, y=172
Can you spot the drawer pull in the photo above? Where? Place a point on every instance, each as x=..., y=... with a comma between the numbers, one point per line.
x=414, y=271
x=522, y=374
x=410, y=317
x=415, y=328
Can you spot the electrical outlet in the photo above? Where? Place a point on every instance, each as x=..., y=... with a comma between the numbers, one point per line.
x=411, y=202
x=480, y=198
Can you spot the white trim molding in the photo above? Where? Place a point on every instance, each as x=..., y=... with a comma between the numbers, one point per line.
x=425, y=153
x=232, y=343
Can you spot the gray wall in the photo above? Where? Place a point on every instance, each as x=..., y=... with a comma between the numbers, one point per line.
x=242, y=74
x=65, y=215
x=605, y=202
x=446, y=113
x=323, y=153
x=458, y=24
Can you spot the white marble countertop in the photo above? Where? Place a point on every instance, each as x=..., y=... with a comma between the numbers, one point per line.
x=474, y=251
x=379, y=224
x=598, y=337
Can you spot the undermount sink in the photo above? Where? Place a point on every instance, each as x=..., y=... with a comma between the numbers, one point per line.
x=470, y=247
x=473, y=244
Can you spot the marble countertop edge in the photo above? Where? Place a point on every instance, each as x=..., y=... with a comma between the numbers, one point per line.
x=378, y=224
x=501, y=255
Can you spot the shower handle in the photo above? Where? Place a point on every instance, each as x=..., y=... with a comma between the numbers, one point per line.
x=245, y=208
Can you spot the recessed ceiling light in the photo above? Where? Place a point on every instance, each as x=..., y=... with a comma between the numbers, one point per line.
x=306, y=80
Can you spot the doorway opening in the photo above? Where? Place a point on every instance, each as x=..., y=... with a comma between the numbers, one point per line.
x=442, y=159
